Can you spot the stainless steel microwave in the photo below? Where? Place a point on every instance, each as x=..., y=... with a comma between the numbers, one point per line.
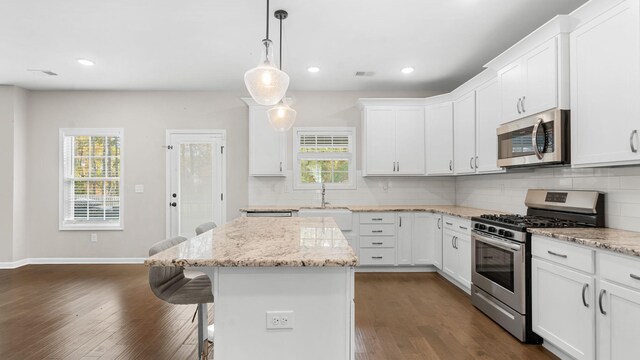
x=540, y=139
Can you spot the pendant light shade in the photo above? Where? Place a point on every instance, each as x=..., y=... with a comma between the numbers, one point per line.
x=266, y=83
x=281, y=117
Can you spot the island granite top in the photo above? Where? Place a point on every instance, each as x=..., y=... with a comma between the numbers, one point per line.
x=263, y=242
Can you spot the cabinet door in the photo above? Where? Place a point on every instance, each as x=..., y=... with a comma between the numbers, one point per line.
x=427, y=240
x=605, y=87
x=464, y=130
x=619, y=328
x=540, y=78
x=449, y=254
x=380, y=140
x=558, y=312
x=511, y=91
x=487, y=121
x=463, y=245
x=404, y=238
x=267, y=147
x=440, y=139
x=410, y=139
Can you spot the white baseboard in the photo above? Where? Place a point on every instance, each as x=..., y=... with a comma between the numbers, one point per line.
x=396, y=269
x=61, y=261
x=556, y=351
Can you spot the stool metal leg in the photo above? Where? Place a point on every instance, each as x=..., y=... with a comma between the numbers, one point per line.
x=203, y=323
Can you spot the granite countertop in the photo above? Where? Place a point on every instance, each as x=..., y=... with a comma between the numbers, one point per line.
x=263, y=242
x=620, y=241
x=460, y=211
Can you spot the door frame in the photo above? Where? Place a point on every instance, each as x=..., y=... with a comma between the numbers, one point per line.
x=223, y=169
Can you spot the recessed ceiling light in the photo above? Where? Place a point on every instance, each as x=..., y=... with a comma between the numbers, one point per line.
x=86, y=62
x=313, y=69
x=407, y=70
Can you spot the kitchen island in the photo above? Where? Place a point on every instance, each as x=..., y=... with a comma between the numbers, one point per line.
x=297, y=269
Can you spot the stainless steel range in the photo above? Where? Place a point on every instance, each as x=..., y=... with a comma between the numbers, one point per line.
x=501, y=253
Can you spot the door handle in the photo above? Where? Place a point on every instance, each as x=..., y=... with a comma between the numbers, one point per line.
x=584, y=299
x=471, y=163
x=634, y=276
x=556, y=254
x=439, y=221
x=376, y=243
x=634, y=148
x=476, y=162
x=450, y=165
x=602, y=292
x=398, y=166
x=400, y=219
x=376, y=257
x=394, y=166
x=522, y=104
x=518, y=106
x=173, y=204
x=534, y=138
x=280, y=166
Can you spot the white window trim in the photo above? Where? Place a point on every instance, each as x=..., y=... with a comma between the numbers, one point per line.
x=89, y=132
x=348, y=130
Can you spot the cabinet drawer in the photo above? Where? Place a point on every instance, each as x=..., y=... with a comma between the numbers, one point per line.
x=377, y=230
x=560, y=252
x=377, y=242
x=386, y=256
x=457, y=224
x=378, y=218
x=619, y=269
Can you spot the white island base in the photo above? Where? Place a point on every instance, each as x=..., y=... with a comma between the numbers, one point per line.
x=321, y=299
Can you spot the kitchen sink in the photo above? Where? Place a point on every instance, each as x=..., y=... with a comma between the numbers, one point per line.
x=342, y=216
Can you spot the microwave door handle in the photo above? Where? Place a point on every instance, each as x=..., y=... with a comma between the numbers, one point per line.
x=534, y=136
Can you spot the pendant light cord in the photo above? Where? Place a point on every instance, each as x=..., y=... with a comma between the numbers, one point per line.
x=281, y=44
x=267, y=35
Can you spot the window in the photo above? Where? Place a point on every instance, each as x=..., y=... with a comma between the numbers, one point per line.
x=324, y=155
x=91, y=179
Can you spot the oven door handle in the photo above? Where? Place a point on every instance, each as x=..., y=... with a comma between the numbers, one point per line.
x=500, y=244
x=534, y=139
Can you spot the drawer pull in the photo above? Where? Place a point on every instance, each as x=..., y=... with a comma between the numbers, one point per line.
x=448, y=223
x=462, y=227
x=584, y=298
x=602, y=292
x=376, y=219
x=634, y=276
x=376, y=257
x=376, y=231
x=376, y=243
x=556, y=254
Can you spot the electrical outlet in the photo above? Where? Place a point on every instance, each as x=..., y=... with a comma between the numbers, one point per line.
x=139, y=188
x=94, y=237
x=280, y=320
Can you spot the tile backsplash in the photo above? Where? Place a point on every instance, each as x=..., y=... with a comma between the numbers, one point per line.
x=506, y=192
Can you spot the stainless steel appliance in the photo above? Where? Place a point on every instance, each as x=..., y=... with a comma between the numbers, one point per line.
x=535, y=140
x=501, y=253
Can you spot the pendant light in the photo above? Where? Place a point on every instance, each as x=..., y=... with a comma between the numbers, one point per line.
x=266, y=83
x=281, y=116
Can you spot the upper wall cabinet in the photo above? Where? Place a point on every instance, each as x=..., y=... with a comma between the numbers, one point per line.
x=605, y=88
x=393, y=140
x=487, y=121
x=267, y=147
x=535, y=82
x=439, y=138
x=464, y=130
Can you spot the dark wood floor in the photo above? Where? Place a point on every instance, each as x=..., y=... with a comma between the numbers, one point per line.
x=108, y=312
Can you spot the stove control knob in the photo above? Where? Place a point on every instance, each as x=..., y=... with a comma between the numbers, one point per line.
x=492, y=229
x=508, y=234
x=477, y=226
x=482, y=227
x=501, y=232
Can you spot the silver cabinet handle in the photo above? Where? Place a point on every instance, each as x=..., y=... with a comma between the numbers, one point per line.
x=584, y=299
x=400, y=220
x=280, y=166
x=634, y=148
x=471, y=163
x=534, y=136
x=394, y=166
x=476, y=162
x=452, y=244
x=518, y=106
x=455, y=242
x=602, y=292
x=522, y=104
x=556, y=254
x=376, y=243
x=463, y=228
x=451, y=165
x=376, y=231
x=439, y=221
x=634, y=276
x=398, y=165
x=448, y=223
x=376, y=219
x=376, y=257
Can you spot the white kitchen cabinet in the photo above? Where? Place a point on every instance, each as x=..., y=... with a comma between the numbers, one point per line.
x=377, y=238
x=405, y=238
x=618, y=322
x=487, y=121
x=427, y=239
x=559, y=313
x=394, y=140
x=605, y=88
x=456, y=251
x=450, y=256
x=531, y=83
x=439, y=139
x=464, y=130
x=267, y=147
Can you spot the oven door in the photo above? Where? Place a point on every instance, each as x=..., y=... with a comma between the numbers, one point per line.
x=533, y=140
x=498, y=268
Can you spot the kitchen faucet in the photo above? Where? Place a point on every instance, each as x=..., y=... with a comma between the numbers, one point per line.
x=324, y=191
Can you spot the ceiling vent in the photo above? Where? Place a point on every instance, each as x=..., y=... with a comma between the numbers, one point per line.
x=47, y=72
x=365, y=73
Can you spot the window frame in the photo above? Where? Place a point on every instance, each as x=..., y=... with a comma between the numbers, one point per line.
x=62, y=225
x=330, y=131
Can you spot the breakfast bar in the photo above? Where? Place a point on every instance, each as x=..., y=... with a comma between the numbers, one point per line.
x=283, y=287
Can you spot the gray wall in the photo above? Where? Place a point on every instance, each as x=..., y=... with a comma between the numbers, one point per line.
x=145, y=116
x=6, y=174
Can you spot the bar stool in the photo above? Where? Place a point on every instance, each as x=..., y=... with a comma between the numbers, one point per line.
x=168, y=283
x=205, y=227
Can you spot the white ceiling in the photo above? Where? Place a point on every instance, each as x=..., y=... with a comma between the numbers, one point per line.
x=208, y=45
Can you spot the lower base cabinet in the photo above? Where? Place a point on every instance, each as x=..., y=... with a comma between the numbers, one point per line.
x=456, y=251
